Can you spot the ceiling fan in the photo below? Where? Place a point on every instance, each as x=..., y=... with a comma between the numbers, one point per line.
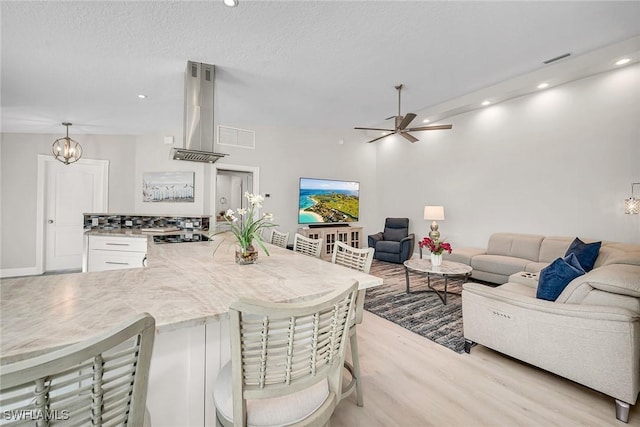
x=401, y=123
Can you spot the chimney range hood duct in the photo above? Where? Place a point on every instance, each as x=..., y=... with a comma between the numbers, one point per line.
x=198, y=115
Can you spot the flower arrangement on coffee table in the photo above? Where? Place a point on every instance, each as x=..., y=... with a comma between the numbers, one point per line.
x=436, y=247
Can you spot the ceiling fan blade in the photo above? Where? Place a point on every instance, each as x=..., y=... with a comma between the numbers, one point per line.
x=434, y=127
x=380, y=137
x=410, y=138
x=384, y=130
x=406, y=120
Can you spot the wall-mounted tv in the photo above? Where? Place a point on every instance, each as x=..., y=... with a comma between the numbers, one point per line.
x=328, y=201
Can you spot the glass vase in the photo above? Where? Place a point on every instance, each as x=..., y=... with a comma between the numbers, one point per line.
x=246, y=256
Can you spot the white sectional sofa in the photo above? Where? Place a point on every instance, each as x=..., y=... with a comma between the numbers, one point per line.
x=509, y=253
x=590, y=334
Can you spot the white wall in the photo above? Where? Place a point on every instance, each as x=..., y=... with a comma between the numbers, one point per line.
x=557, y=162
x=18, y=173
x=153, y=155
x=285, y=155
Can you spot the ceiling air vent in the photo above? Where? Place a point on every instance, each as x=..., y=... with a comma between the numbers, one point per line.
x=557, y=58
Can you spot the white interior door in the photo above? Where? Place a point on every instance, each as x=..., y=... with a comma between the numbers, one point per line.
x=71, y=191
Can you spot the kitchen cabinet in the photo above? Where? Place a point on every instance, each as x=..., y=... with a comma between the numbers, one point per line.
x=104, y=253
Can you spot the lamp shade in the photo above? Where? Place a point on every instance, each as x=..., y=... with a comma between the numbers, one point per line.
x=435, y=213
x=632, y=206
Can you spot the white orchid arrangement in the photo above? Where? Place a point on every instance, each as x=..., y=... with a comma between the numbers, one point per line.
x=245, y=227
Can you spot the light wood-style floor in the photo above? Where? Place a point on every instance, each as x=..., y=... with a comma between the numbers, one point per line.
x=412, y=381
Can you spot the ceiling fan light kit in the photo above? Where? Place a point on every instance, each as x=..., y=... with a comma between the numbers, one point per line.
x=401, y=123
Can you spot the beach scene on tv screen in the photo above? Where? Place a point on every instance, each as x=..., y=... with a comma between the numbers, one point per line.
x=323, y=200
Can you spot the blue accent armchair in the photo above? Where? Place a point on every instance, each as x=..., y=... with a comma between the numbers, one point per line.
x=394, y=244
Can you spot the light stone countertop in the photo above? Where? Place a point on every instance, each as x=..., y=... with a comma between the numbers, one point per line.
x=184, y=285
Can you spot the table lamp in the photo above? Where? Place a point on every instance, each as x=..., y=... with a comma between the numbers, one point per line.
x=434, y=213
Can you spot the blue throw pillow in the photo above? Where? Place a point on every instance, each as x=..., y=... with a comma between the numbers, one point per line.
x=572, y=260
x=585, y=252
x=555, y=277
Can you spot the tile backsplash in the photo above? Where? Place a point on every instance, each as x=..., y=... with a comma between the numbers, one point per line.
x=104, y=221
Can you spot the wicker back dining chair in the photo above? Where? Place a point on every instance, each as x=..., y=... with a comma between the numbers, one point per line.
x=307, y=246
x=357, y=259
x=279, y=239
x=98, y=382
x=286, y=361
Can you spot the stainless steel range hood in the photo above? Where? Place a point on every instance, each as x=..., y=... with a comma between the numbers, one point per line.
x=198, y=115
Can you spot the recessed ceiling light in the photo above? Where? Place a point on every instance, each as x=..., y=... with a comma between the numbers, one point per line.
x=623, y=61
x=485, y=103
x=385, y=133
x=230, y=3
x=425, y=121
x=543, y=85
x=142, y=96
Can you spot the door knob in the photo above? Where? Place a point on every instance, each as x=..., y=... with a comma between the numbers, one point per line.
x=50, y=221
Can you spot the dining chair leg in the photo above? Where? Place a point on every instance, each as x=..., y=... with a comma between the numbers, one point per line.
x=355, y=359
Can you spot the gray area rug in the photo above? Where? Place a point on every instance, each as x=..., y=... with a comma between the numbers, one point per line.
x=421, y=311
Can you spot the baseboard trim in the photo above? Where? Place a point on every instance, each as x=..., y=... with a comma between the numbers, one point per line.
x=16, y=272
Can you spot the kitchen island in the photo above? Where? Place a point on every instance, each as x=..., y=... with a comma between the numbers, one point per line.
x=187, y=288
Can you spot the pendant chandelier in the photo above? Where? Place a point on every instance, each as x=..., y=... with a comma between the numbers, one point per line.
x=66, y=149
x=632, y=205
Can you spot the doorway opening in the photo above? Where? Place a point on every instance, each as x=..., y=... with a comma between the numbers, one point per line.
x=230, y=184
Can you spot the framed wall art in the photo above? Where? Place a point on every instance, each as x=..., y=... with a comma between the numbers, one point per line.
x=168, y=187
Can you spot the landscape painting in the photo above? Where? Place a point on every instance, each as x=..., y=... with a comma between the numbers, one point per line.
x=328, y=201
x=168, y=187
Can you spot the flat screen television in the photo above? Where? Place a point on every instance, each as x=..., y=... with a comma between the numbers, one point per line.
x=328, y=201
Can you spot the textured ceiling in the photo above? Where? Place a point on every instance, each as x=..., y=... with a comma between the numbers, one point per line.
x=329, y=64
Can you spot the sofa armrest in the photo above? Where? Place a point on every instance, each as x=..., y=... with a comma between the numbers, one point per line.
x=373, y=239
x=406, y=247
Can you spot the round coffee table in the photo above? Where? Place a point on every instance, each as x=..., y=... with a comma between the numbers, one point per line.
x=446, y=270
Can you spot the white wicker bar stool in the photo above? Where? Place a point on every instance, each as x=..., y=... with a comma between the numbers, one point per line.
x=307, y=246
x=286, y=361
x=101, y=381
x=279, y=239
x=358, y=259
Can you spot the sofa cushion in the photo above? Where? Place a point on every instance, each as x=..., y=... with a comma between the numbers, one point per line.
x=553, y=247
x=526, y=246
x=585, y=252
x=555, y=277
x=505, y=265
x=631, y=258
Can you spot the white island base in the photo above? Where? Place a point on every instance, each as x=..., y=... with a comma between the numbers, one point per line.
x=184, y=367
